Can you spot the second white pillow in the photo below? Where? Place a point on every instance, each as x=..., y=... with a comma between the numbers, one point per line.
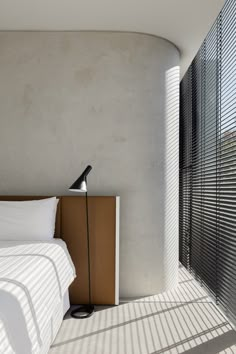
x=28, y=220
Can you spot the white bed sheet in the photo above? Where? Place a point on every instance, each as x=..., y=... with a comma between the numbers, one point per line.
x=55, y=323
x=34, y=277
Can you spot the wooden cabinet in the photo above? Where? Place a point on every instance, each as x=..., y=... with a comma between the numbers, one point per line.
x=104, y=247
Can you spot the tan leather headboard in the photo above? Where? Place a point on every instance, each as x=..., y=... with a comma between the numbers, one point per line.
x=71, y=227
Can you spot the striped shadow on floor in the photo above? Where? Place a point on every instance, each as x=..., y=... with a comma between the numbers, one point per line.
x=183, y=320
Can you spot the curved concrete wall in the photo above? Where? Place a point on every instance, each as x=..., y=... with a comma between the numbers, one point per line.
x=111, y=100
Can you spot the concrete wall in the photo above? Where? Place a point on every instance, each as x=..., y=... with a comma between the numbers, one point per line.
x=111, y=100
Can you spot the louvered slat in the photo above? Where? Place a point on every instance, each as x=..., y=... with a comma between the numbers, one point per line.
x=208, y=162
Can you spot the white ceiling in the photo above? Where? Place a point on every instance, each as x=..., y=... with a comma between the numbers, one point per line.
x=183, y=22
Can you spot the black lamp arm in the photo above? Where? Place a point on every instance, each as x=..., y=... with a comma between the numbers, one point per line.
x=86, y=171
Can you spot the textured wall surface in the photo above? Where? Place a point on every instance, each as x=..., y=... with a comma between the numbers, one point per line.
x=111, y=100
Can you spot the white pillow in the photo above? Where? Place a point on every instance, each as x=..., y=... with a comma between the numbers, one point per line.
x=28, y=220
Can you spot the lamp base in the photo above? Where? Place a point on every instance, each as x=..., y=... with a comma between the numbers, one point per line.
x=82, y=311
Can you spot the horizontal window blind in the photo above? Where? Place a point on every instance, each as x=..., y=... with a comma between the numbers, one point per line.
x=208, y=162
x=185, y=168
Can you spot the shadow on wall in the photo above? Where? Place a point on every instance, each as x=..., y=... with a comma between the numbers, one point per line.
x=171, y=179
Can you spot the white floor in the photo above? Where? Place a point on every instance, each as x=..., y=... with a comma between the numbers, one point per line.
x=183, y=320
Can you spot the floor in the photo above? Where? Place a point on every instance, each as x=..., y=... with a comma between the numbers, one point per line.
x=183, y=320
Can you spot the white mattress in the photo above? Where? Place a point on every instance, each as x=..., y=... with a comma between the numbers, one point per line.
x=34, y=277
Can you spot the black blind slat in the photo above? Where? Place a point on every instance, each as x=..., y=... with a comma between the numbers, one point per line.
x=208, y=162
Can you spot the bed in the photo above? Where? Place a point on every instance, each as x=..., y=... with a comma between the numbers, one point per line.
x=34, y=281
x=35, y=275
